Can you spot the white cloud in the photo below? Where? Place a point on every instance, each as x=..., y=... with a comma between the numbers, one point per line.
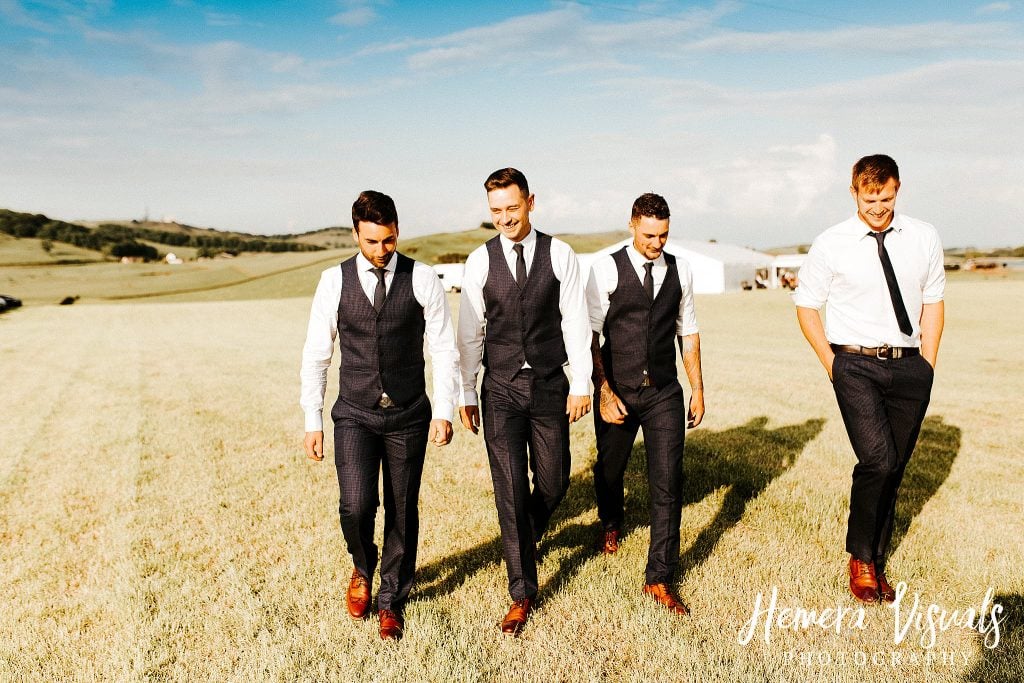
x=995, y=8
x=13, y=12
x=354, y=17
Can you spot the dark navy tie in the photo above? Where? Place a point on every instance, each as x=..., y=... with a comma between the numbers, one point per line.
x=890, y=279
x=520, y=265
x=649, y=280
x=379, y=292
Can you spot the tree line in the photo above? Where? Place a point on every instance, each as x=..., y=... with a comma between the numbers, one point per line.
x=121, y=240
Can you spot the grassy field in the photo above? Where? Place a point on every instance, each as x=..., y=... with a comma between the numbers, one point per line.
x=159, y=521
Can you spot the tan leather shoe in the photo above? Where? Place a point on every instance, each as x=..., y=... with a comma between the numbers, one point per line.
x=863, y=582
x=515, y=620
x=662, y=595
x=390, y=625
x=608, y=542
x=885, y=591
x=358, y=596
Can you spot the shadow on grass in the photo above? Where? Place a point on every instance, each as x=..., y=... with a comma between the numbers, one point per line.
x=929, y=466
x=1005, y=662
x=743, y=459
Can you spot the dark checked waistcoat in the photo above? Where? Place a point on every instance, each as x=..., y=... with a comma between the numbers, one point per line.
x=523, y=324
x=380, y=352
x=640, y=334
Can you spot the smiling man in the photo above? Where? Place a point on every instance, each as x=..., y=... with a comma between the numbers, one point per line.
x=381, y=305
x=523, y=315
x=641, y=301
x=880, y=277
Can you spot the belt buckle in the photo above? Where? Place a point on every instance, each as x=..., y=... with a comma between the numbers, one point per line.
x=882, y=352
x=385, y=401
x=646, y=382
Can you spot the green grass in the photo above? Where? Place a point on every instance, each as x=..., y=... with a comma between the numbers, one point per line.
x=158, y=520
x=26, y=251
x=248, y=276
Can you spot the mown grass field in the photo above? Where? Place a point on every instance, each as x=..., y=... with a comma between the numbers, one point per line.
x=158, y=520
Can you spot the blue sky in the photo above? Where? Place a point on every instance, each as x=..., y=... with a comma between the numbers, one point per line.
x=271, y=116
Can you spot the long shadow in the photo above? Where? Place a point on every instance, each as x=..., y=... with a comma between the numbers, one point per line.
x=744, y=459
x=929, y=467
x=1003, y=663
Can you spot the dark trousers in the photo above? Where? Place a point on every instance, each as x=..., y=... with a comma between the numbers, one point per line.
x=364, y=441
x=661, y=413
x=883, y=403
x=526, y=431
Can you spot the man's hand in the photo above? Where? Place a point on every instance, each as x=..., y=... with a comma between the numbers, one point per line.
x=696, y=412
x=470, y=418
x=831, y=363
x=576, y=407
x=314, y=444
x=613, y=410
x=440, y=432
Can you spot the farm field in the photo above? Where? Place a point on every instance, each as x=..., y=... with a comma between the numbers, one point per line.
x=158, y=519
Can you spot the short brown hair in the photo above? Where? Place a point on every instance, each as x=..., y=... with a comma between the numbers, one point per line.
x=507, y=177
x=650, y=205
x=874, y=171
x=374, y=207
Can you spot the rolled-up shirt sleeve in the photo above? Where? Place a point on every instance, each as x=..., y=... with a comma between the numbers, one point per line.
x=319, y=347
x=814, y=279
x=686, y=322
x=935, y=283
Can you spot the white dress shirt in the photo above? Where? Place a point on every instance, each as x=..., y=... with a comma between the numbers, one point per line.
x=571, y=302
x=843, y=273
x=323, y=329
x=604, y=278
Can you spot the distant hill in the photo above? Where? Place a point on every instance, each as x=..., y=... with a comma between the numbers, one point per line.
x=456, y=246
x=145, y=239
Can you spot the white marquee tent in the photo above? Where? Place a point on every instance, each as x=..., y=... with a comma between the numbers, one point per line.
x=716, y=267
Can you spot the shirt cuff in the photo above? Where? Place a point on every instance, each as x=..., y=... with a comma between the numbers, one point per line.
x=443, y=410
x=469, y=397
x=580, y=386
x=314, y=421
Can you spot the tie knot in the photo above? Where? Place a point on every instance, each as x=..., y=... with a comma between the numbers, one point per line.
x=880, y=236
x=649, y=266
x=379, y=272
x=518, y=248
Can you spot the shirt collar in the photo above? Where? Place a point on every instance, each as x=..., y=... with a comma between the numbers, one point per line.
x=507, y=244
x=858, y=228
x=363, y=265
x=638, y=260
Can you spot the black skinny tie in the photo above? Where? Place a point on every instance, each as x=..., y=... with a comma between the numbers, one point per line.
x=379, y=292
x=894, y=288
x=520, y=265
x=649, y=281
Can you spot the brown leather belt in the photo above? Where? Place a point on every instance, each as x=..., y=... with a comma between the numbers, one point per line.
x=883, y=352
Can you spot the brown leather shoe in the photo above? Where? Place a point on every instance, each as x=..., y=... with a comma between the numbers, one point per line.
x=390, y=625
x=863, y=582
x=358, y=596
x=515, y=620
x=608, y=542
x=662, y=595
x=885, y=591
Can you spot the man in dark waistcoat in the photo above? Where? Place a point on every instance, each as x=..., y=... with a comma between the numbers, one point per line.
x=381, y=305
x=523, y=316
x=641, y=300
